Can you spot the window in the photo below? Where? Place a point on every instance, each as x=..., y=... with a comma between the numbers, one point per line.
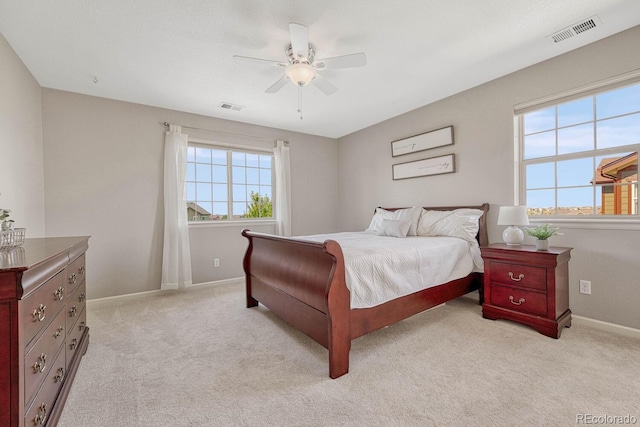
x=580, y=157
x=228, y=184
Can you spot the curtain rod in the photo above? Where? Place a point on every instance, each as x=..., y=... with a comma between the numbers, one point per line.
x=261, y=138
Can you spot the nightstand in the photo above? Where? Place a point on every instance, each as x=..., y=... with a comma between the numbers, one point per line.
x=527, y=286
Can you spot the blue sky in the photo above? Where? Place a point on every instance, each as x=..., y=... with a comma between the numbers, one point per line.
x=616, y=124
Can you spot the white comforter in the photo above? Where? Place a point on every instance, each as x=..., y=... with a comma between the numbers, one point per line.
x=379, y=269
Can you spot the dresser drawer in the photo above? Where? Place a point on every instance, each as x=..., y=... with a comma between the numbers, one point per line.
x=519, y=300
x=75, y=305
x=38, y=309
x=39, y=359
x=519, y=275
x=75, y=273
x=74, y=335
x=39, y=411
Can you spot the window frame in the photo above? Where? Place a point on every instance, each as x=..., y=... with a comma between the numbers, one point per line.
x=608, y=221
x=229, y=149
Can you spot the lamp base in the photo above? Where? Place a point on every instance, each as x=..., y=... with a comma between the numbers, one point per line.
x=512, y=236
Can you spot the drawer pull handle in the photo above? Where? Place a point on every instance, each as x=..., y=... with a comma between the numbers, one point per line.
x=520, y=301
x=41, y=416
x=73, y=279
x=73, y=311
x=82, y=325
x=41, y=364
x=520, y=277
x=59, y=374
x=81, y=270
x=74, y=343
x=59, y=293
x=81, y=297
x=58, y=332
x=39, y=314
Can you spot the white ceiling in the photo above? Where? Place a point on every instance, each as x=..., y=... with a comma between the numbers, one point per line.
x=178, y=54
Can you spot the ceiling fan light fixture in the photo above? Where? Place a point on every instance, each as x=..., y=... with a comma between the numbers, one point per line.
x=300, y=74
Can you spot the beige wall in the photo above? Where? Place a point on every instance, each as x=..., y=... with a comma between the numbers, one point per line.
x=103, y=173
x=21, y=162
x=483, y=125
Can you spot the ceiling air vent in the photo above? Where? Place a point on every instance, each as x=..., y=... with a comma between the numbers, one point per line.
x=229, y=106
x=575, y=29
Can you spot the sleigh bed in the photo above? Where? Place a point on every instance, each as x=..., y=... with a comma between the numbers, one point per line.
x=304, y=283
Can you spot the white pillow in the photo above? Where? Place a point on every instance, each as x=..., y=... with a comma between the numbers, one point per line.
x=379, y=215
x=412, y=215
x=394, y=228
x=462, y=223
x=409, y=214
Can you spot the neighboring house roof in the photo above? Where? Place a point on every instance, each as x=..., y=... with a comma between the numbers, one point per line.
x=197, y=208
x=608, y=168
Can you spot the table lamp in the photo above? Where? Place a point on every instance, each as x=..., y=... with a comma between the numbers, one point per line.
x=513, y=216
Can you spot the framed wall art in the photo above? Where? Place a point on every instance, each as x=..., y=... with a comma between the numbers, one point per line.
x=424, y=141
x=425, y=167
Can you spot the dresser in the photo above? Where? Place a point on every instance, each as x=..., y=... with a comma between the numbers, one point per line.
x=527, y=286
x=43, y=328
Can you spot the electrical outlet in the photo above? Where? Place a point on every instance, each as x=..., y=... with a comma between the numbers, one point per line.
x=585, y=287
x=216, y=262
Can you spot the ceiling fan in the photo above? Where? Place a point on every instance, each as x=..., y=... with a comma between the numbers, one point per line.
x=301, y=67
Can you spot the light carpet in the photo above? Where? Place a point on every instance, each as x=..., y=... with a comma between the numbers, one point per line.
x=199, y=357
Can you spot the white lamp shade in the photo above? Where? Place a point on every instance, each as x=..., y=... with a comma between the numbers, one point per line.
x=513, y=215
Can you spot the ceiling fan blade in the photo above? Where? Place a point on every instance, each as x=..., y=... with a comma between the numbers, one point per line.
x=282, y=82
x=299, y=39
x=344, y=61
x=246, y=59
x=324, y=85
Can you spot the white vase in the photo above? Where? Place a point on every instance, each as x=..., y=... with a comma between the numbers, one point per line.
x=542, y=245
x=7, y=225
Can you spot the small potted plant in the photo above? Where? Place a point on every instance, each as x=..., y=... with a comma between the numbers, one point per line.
x=7, y=224
x=542, y=234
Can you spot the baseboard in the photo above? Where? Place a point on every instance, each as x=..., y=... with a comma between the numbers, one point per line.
x=606, y=326
x=219, y=282
x=147, y=293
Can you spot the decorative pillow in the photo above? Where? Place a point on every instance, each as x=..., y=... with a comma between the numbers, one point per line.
x=409, y=214
x=394, y=228
x=379, y=215
x=462, y=223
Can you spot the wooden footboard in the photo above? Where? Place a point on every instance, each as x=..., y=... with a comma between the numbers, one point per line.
x=303, y=282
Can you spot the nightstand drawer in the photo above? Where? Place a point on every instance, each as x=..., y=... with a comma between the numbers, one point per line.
x=519, y=300
x=519, y=275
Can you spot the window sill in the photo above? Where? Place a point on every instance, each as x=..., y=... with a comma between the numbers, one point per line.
x=231, y=223
x=598, y=223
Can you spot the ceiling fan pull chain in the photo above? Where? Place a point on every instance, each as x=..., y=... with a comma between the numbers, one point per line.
x=300, y=101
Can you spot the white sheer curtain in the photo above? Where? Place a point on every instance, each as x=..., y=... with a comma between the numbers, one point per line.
x=176, y=258
x=283, y=188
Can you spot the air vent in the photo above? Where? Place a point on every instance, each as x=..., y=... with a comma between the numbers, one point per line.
x=229, y=106
x=575, y=29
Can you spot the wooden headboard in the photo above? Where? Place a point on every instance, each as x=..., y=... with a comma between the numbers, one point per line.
x=482, y=236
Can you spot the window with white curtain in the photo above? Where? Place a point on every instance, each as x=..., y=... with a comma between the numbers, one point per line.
x=578, y=155
x=228, y=184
